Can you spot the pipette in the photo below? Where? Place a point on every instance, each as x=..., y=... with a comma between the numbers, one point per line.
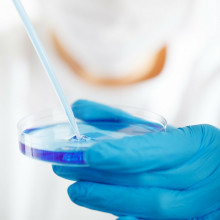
x=48, y=67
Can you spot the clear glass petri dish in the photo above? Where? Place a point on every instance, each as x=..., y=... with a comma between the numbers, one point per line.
x=47, y=135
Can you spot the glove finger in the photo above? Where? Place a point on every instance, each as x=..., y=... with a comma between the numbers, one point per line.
x=95, y=112
x=179, y=178
x=162, y=179
x=94, y=175
x=105, y=117
x=153, y=151
x=92, y=111
x=140, y=202
x=147, y=203
x=114, y=178
x=203, y=164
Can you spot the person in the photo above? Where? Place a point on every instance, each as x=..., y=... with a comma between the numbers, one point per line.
x=148, y=54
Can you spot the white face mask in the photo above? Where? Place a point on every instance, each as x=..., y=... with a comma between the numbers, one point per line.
x=112, y=38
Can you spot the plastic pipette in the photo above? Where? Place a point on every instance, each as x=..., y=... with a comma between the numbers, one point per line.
x=45, y=61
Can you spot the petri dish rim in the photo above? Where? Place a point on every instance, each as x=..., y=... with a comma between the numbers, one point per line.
x=59, y=116
x=52, y=117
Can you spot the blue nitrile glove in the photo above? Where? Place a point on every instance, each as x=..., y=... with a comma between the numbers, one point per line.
x=165, y=175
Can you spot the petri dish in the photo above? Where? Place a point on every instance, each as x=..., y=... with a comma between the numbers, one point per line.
x=47, y=135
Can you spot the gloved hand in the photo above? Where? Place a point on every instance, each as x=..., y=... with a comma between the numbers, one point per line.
x=165, y=175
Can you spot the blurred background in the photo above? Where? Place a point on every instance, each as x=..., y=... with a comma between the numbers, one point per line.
x=8, y=16
x=209, y=14
x=18, y=184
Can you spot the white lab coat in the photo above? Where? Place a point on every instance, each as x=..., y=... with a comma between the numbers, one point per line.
x=186, y=92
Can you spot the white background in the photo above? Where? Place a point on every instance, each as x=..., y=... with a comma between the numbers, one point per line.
x=209, y=14
x=9, y=17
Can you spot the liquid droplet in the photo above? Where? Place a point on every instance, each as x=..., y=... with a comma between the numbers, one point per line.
x=82, y=138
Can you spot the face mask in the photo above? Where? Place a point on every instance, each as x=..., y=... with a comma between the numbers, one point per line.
x=112, y=38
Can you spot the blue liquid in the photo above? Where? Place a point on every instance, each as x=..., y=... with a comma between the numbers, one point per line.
x=55, y=143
